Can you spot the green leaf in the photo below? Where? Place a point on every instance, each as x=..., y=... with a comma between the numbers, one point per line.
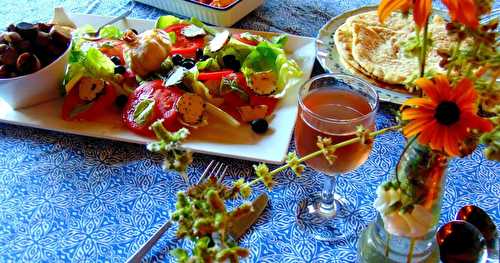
x=175, y=77
x=180, y=254
x=280, y=40
x=111, y=32
x=195, y=21
x=209, y=65
x=232, y=84
x=173, y=37
x=165, y=21
x=143, y=110
x=97, y=64
x=79, y=109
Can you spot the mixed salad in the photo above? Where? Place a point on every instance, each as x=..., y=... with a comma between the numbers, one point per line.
x=178, y=72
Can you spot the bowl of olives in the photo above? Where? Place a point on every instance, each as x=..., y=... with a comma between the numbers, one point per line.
x=33, y=59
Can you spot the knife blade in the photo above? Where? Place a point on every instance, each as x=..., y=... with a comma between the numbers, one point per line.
x=240, y=227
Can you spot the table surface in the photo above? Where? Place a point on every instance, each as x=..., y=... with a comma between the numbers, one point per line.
x=73, y=198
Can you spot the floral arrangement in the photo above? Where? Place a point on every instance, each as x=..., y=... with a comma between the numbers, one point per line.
x=454, y=113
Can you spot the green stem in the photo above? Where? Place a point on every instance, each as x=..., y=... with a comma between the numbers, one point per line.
x=387, y=247
x=453, y=57
x=410, y=253
x=319, y=152
x=423, y=51
x=410, y=142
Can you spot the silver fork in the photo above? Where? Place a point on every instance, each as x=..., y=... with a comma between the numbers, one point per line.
x=214, y=169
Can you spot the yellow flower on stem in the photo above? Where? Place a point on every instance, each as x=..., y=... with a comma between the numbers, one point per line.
x=421, y=9
x=445, y=117
x=463, y=11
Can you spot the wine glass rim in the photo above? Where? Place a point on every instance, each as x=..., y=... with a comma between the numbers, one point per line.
x=334, y=120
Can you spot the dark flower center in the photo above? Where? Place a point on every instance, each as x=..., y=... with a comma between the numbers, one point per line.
x=447, y=113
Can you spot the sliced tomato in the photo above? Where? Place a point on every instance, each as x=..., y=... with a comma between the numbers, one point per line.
x=143, y=92
x=165, y=102
x=234, y=100
x=74, y=108
x=244, y=40
x=270, y=102
x=112, y=48
x=185, y=46
x=216, y=75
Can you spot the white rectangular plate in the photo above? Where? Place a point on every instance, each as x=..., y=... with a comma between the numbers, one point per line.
x=217, y=138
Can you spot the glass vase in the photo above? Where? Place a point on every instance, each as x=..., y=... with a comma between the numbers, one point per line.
x=409, y=207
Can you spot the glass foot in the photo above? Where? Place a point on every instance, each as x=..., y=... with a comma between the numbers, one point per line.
x=324, y=223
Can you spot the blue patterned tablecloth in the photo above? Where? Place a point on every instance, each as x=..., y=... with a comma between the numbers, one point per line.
x=73, y=198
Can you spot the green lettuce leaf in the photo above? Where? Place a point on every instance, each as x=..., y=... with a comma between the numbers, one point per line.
x=165, y=21
x=111, y=32
x=209, y=64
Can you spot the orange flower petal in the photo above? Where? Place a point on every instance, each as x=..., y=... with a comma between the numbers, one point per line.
x=463, y=11
x=473, y=121
x=421, y=12
x=437, y=142
x=412, y=113
x=421, y=102
x=386, y=7
x=429, y=89
x=450, y=143
x=428, y=132
x=443, y=87
x=415, y=127
x=464, y=93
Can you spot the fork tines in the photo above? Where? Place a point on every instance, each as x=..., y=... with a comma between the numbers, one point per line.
x=214, y=169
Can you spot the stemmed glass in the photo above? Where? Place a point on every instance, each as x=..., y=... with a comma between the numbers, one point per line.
x=333, y=106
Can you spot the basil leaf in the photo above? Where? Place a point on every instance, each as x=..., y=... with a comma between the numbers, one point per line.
x=143, y=110
x=176, y=77
x=79, y=109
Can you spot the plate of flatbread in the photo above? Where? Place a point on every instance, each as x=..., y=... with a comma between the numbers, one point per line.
x=384, y=54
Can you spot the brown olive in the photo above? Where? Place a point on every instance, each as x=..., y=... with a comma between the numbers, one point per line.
x=12, y=37
x=59, y=36
x=4, y=71
x=27, y=30
x=42, y=39
x=27, y=63
x=8, y=55
x=44, y=27
x=54, y=50
x=11, y=28
x=24, y=46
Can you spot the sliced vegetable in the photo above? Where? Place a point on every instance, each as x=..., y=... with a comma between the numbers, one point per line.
x=222, y=115
x=209, y=65
x=175, y=77
x=218, y=42
x=111, y=32
x=75, y=108
x=248, y=38
x=143, y=111
x=143, y=92
x=191, y=108
x=193, y=31
x=270, y=102
x=250, y=113
x=195, y=21
x=165, y=100
x=217, y=75
x=184, y=46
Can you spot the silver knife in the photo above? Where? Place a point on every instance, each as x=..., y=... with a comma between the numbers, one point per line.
x=235, y=231
x=240, y=227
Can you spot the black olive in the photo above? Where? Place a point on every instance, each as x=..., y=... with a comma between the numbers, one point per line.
x=133, y=30
x=27, y=63
x=204, y=57
x=8, y=55
x=121, y=100
x=11, y=28
x=228, y=59
x=199, y=53
x=42, y=39
x=259, y=126
x=120, y=69
x=177, y=59
x=231, y=62
x=188, y=63
x=116, y=60
x=27, y=30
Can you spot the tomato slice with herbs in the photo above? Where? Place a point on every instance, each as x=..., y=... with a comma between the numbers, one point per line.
x=183, y=45
x=216, y=75
x=75, y=108
x=144, y=92
x=157, y=102
x=244, y=40
x=166, y=99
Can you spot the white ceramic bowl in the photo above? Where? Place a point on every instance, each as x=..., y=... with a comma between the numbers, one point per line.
x=37, y=87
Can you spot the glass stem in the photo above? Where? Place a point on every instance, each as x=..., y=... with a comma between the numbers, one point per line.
x=327, y=206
